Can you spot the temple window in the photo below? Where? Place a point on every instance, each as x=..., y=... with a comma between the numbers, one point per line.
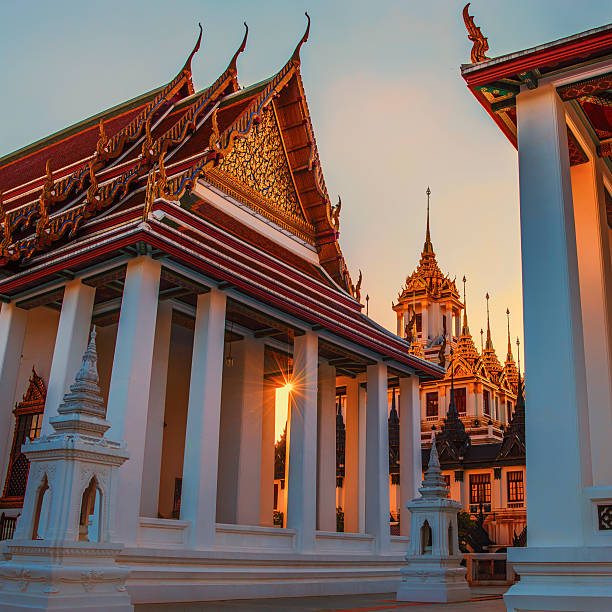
x=516, y=489
x=419, y=322
x=480, y=488
x=28, y=422
x=89, y=522
x=486, y=403
x=460, y=402
x=509, y=410
x=431, y=404
x=446, y=480
x=42, y=496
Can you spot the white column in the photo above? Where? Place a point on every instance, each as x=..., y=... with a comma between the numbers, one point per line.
x=362, y=456
x=351, y=459
x=240, y=435
x=70, y=344
x=424, y=322
x=377, y=458
x=410, y=447
x=149, y=501
x=128, y=395
x=554, y=350
x=248, y=479
x=266, y=502
x=326, y=449
x=301, y=453
x=200, y=463
x=596, y=302
x=12, y=331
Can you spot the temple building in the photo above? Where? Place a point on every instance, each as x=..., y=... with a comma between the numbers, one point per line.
x=552, y=102
x=474, y=422
x=194, y=229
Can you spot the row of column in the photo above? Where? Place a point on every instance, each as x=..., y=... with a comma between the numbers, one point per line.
x=241, y=489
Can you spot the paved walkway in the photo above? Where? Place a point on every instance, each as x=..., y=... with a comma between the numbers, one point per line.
x=484, y=599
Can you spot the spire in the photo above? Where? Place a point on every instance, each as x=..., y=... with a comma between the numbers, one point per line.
x=434, y=484
x=428, y=247
x=489, y=344
x=465, y=329
x=509, y=356
x=83, y=409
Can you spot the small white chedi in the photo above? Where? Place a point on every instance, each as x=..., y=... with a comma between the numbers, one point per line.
x=62, y=556
x=433, y=573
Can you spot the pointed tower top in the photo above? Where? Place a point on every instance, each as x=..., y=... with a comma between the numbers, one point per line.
x=434, y=484
x=83, y=409
x=509, y=356
x=465, y=328
x=428, y=247
x=489, y=344
x=518, y=354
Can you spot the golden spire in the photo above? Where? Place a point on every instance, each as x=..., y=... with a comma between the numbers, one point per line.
x=428, y=247
x=489, y=344
x=509, y=356
x=518, y=354
x=465, y=330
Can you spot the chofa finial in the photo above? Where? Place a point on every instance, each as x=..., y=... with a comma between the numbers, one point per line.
x=232, y=65
x=481, y=45
x=295, y=58
x=187, y=66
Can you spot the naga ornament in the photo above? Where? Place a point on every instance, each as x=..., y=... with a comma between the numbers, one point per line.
x=481, y=45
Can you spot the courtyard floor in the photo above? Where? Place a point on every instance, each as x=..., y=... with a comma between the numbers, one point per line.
x=484, y=599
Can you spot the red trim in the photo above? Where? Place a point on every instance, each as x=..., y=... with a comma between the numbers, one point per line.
x=290, y=301
x=495, y=116
x=563, y=51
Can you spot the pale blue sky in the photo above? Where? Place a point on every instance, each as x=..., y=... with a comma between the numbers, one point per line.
x=390, y=111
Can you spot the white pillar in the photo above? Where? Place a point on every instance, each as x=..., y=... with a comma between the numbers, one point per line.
x=240, y=435
x=200, y=463
x=410, y=447
x=377, y=457
x=248, y=479
x=596, y=302
x=266, y=503
x=149, y=501
x=12, y=331
x=362, y=456
x=351, y=460
x=554, y=350
x=301, y=453
x=70, y=344
x=130, y=385
x=326, y=449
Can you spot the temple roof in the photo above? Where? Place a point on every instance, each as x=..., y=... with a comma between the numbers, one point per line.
x=179, y=137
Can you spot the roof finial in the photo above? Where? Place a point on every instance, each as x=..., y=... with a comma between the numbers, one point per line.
x=509, y=356
x=428, y=247
x=489, y=344
x=481, y=334
x=187, y=66
x=518, y=355
x=295, y=58
x=232, y=65
x=481, y=45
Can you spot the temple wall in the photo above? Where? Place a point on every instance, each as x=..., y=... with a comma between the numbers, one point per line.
x=175, y=419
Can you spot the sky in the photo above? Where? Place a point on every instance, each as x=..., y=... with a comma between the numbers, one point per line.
x=390, y=111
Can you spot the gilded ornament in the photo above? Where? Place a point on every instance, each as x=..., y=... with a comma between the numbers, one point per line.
x=258, y=163
x=295, y=58
x=358, y=287
x=481, y=45
x=101, y=145
x=336, y=214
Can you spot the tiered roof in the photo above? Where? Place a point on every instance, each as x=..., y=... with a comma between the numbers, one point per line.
x=428, y=280
x=126, y=182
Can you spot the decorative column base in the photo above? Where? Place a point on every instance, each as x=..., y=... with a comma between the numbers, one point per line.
x=435, y=580
x=561, y=579
x=42, y=575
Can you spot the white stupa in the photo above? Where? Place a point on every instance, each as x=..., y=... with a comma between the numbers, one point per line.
x=62, y=556
x=433, y=573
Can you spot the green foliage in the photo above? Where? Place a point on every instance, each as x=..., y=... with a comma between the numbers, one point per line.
x=278, y=518
x=467, y=528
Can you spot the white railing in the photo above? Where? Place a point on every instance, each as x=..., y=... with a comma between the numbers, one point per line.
x=246, y=537
x=163, y=533
x=343, y=543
